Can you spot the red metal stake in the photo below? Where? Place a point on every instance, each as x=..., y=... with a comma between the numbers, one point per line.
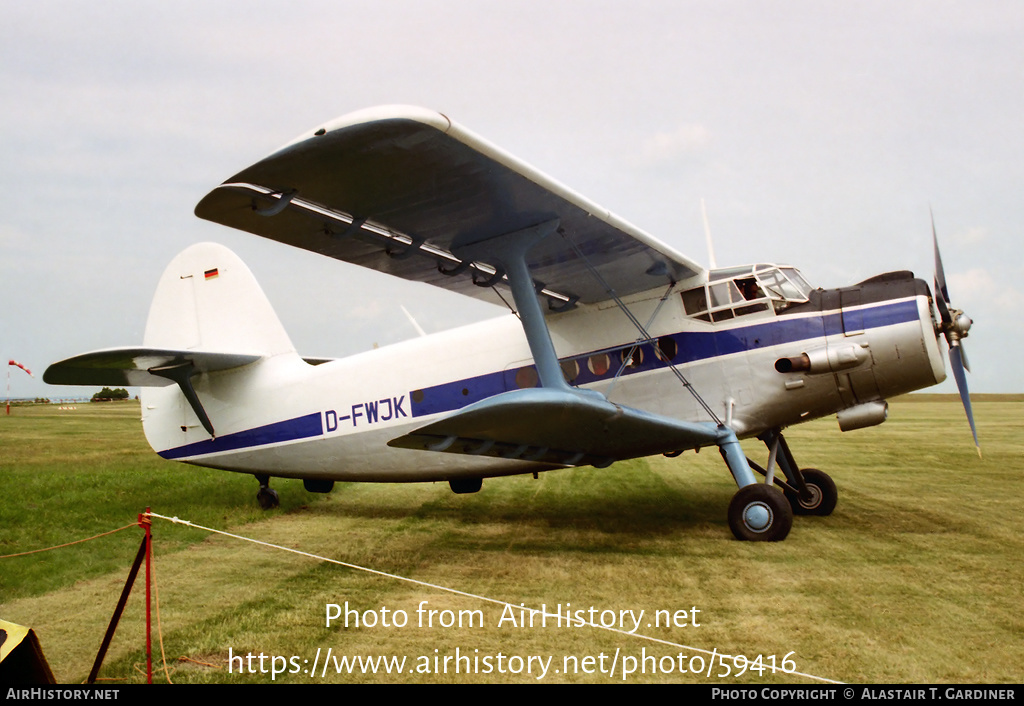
x=116, y=617
x=146, y=523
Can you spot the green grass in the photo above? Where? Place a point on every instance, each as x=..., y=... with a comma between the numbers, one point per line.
x=72, y=474
x=916, y=577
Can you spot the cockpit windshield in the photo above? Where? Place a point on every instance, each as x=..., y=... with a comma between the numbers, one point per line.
x=739, y=291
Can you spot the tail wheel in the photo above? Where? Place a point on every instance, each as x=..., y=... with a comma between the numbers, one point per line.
x=760, y=513
x=823, y=494
x=267, y=498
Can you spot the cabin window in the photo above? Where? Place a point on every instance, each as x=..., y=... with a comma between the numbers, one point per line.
x=667, y=349
x=599, y=364
x=570, y=370
x=527, y=377
x=632, y=357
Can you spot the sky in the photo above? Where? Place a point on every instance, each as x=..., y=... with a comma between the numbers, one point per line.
x=818, y=134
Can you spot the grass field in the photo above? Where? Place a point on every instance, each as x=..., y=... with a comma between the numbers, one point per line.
x=916, y=577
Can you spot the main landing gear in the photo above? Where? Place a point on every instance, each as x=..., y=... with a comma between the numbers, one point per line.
x=761, y=511
x=821, y=495
x=809, y=491
x=267, y=496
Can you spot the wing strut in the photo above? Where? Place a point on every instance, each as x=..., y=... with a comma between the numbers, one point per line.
x=509, y=251
x=558, y=424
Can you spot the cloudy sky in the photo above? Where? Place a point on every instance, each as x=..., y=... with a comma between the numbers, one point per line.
x=818, y=134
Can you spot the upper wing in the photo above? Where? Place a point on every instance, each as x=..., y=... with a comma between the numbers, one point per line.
x=397, y=188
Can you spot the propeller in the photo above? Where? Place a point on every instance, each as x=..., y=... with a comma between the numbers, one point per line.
x=954, y=325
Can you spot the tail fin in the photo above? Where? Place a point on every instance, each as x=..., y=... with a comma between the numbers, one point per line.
x=208, y=315
x=208, y=300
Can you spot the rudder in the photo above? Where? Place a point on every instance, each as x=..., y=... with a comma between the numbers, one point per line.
x=207, y=299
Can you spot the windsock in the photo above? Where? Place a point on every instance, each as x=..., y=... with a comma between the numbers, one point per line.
x=14, y=362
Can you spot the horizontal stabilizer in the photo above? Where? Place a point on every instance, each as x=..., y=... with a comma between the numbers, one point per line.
x=567, y=428
x=133, y=366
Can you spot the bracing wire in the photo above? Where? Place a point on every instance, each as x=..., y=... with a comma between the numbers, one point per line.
x=645, y=337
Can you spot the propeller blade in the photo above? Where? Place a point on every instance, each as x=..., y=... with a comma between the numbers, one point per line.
x=943, y=308
x=940, y=276
x=954, y=332
x=956, y=362
x=941, y=291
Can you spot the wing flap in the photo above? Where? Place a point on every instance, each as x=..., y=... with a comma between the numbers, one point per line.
x=131, y=366
x=399, y=189
x=568, y=428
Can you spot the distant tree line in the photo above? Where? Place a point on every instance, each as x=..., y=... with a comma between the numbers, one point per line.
x=107, y=395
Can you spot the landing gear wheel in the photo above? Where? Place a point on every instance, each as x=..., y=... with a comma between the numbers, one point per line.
x=267, y=498
x=823, y=494
x=760, y=513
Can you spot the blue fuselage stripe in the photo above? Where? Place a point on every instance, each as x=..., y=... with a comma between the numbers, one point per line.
x=289, y=430
x=692, y=346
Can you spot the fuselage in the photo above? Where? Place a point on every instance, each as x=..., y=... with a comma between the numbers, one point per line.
x=853, y=348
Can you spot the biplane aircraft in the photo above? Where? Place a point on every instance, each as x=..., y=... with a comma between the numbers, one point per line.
x=617, y=346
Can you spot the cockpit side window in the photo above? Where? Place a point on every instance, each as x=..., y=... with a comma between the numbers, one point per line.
x=749, y=289
x=695, y=301
x=798, y=281
x=724, y=294
x=785, y=286
x=739, y=291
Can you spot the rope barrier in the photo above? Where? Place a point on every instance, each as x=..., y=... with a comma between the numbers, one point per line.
x=68, y=544
x=426, y=584
x=713, y=653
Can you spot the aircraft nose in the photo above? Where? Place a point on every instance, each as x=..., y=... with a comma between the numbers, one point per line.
x=962, y=324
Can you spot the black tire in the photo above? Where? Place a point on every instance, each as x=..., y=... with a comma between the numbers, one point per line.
x=760, y=513
x=267, y=498
x=823, y=490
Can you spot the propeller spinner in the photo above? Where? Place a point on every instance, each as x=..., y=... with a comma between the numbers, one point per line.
x=955, y=325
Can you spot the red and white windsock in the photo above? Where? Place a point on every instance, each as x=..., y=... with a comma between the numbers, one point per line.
x=16, y=363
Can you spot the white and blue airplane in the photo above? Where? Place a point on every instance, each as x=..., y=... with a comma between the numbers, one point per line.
x=617, y=346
